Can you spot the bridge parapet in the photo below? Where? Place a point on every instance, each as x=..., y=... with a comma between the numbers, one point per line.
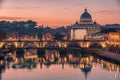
x=63, y=44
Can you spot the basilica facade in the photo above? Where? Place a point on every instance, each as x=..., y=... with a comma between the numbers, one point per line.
x=86, y=22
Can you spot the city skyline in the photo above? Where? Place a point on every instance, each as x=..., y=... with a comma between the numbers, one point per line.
x=60, y=12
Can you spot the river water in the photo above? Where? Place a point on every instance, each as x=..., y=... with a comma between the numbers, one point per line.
x=33, y=64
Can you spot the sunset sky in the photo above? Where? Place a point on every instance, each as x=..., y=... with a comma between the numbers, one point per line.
x=60, y=12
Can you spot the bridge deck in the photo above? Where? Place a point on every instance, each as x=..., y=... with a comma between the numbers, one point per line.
x=38, y=40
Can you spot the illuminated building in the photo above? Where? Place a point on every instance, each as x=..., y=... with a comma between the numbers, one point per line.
x=75, y=34
x=113, y=36
x=48, y=36
x=86, y=23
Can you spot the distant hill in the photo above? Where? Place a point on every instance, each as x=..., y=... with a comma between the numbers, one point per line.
x=111, y=26
x=108, y=30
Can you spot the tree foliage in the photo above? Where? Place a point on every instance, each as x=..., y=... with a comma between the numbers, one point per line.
x=58, y=36
x=2, y=34
x=105, y=31
x=20, y=27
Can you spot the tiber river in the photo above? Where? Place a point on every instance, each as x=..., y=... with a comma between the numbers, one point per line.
x=33, y=64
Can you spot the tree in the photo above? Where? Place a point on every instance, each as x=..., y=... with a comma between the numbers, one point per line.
x=58, y=36
x=2, y=34
x=31, y=23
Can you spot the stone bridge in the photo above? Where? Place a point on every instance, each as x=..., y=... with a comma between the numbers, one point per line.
x=36, y=43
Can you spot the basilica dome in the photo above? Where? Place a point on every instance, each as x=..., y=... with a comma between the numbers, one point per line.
x=85, y=18
x=85, y=15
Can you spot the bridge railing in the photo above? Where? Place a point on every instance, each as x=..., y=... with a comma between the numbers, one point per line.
x=12, y=40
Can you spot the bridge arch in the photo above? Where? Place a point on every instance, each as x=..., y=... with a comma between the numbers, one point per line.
x=74, y=44
x=96, y=45
x=114, y=48
x=51, y=44
x=100, y=45
x=8, y=45
x=30, y=45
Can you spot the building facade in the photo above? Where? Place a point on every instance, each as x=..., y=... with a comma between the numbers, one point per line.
x=86, y=22
x=113, y=36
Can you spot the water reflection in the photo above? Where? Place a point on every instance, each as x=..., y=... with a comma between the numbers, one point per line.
x=31, y=58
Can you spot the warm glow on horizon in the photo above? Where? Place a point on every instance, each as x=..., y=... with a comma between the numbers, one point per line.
x=60, y=12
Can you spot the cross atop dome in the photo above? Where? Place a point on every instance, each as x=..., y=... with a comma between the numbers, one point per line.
x=85, y=9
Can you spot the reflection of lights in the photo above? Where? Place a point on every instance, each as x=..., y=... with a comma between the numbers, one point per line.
x=115, y=36
x=109, y=66
x=70, y=56
x=83, y=62
x=91, y=58
x=94, y=65
x=116, y=75
x=81, y=65
x=1, y=62
x=65, y=59
x=118, y=69
x=87, y=60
